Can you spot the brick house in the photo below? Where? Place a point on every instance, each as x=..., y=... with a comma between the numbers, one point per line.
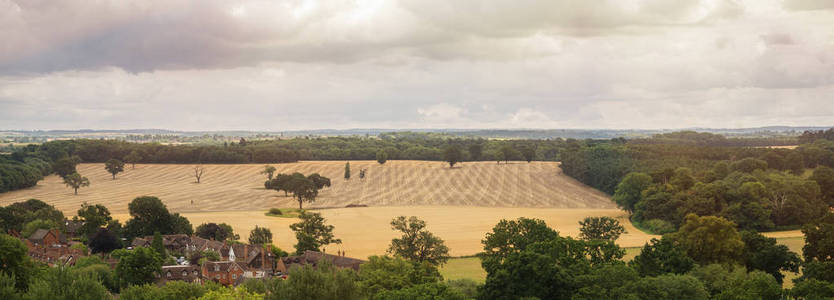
x=46, y=238
x=223, y=272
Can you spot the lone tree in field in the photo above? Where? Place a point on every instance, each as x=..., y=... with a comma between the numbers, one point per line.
x=347, y=171
x=269, y=171
x=302, y=188
x=452, y=155
x=260, y=236
x=75, y=181
x=114, y=166
x=600, y=228
x=381, y=157
x=416, y=243
x=133, y=158
x=198, y=172
x=312, y=233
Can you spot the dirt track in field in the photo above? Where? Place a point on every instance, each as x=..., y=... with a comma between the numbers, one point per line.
x=396, y=183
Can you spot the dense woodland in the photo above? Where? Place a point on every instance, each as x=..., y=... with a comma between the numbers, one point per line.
x=662, y=181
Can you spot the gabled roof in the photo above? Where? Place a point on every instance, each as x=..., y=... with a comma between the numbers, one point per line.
x=39, y=234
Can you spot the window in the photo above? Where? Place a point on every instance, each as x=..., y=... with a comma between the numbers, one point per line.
x=168, y=274
x=195, y=272
x=216, y=268
x=217, y=276
x=184, y=273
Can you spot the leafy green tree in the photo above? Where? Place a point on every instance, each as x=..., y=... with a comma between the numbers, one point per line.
x=661, y=257
x=66, y=165
x=763, y=253
x=385, y=273
x=312, y=232
x=476, y=151
x=133, y=157
x=600, y=228
x=813, y=289
x=304, y=189
x=14, y=261
x=149, y=215
x=104, y=241
x=381, y=157
x=546, y=269
x=92, y=217
x=114, y=166
x=319, y=181
x=138, y=266
x=629, y=190
x=452, y=155
x=824, y=177
x=157, y=245
x=668, y=286
x=347, y=171
x=417, y=244
x=819, y=239
x=260, y=236
x=514, y=236
x=214, y=231
x=710, y=239
x=75, y=181
x=268, y=170
x=325, y=282
x=62, y=284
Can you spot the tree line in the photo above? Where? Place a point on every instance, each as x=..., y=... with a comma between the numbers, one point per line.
x=757, y=188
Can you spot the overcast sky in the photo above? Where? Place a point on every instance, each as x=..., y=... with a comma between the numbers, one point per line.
x=283, y=65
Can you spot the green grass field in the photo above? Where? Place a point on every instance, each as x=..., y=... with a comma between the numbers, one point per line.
x=465, y=267
x=285, y=213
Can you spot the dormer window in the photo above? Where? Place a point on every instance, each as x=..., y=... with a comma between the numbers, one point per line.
x=195, y=272
x=184, y=273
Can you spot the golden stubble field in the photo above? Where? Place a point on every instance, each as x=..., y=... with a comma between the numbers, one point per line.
x=460, y=205
x=396, y=183
x=366, y=230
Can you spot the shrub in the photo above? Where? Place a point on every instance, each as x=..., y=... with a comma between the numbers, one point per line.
x=275, y=211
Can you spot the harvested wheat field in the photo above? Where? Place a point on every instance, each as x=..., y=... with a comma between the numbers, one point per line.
x=397, y=183
x=366, y=231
